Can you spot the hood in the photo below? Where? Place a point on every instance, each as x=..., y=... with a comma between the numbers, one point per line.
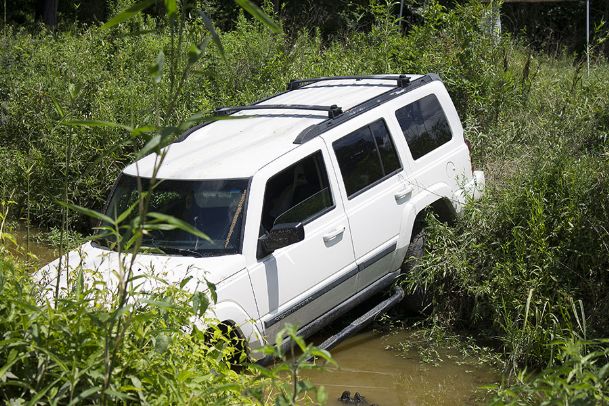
x=104, y=264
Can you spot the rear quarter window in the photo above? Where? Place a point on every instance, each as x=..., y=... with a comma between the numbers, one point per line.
x=365, y=157
x=424, y=125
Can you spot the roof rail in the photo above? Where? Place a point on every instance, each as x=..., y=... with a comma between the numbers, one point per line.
x=333, y=110
x=402, y=80
x=316, y=129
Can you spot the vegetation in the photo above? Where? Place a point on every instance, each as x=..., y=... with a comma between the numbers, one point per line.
x=526, y=268
x=85, y=339
x=57, y=354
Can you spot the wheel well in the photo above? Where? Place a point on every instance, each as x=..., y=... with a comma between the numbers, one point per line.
x=231, y=335
x=441, y=208
x=229, y=330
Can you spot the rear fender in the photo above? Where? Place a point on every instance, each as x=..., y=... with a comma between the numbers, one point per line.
x=421, y=201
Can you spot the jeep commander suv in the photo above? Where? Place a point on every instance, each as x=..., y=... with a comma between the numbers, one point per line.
x=309, y=199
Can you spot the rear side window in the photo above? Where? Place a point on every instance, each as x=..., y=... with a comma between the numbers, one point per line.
x=365, y=157
x=297, y=194
x=424, y=125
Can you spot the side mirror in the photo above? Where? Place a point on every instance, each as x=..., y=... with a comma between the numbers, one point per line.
x=281, y=235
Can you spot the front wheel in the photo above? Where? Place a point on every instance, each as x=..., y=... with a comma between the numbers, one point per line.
x=226, y=339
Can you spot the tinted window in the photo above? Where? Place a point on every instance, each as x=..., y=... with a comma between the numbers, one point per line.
x=366, y=156
x=296, y=194
x=389, y=158
x=424, y=125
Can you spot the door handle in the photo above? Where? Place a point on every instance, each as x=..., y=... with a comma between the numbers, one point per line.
x=403, y=193
x=333, y=234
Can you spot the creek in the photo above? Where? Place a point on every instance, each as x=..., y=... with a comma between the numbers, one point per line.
x=387, y=373
x=39, y=252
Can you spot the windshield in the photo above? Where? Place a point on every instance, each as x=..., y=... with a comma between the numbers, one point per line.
x=215, y=207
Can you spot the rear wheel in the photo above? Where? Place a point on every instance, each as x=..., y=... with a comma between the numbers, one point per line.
x=417, y=301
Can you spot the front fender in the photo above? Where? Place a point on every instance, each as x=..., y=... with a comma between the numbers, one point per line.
x=231, y=311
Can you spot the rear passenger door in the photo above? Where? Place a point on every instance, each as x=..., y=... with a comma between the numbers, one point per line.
x=374, y=191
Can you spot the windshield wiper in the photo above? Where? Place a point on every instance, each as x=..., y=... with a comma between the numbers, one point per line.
x=180, y=251
x=101, y=243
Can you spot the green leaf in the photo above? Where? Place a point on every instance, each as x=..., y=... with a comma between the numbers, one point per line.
x=212, y=291
x=194, y=53
x=118, y=395
x=156, y=70
x=179, y=224
x=137, y=131
x=150, y=146
x=74, y=90
x=8, y=237
x=139, y=387
x=95, y=123
x=184, y=281
x=161, y=304
x=210, y=27
x=60, y=112
x=232, y=387
x=299, y=342
x=85, y=394
x=171, y=7
x=127, y=14
x=259, y=15
x=322, y=396
x=323, y=354
x=12, y=359
x=121, y=217
x=87, y=212
x=34, y=401
x=200, y=303
x=303, y=386
x=161, y=343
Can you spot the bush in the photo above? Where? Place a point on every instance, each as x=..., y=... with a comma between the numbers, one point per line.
x=517, y=261
x=87, y=73
x=72, y=350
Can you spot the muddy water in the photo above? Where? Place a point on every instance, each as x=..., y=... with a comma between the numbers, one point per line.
x=33, y=250
x=370, y=364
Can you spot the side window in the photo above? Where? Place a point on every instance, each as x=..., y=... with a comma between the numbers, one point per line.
x=366, y=156
x=297, y=194
x=424, y=125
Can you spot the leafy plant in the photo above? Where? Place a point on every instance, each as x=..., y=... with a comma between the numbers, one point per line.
x=296, y=390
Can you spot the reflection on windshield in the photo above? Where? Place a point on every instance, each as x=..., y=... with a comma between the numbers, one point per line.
x=215, y=207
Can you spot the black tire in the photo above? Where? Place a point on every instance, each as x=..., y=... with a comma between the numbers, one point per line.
x=418, y=301
x=231, y=338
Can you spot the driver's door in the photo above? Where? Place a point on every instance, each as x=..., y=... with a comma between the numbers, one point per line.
x=298, y=283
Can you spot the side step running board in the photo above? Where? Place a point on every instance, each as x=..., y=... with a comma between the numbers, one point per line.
x=346, y=306
x=362, y=321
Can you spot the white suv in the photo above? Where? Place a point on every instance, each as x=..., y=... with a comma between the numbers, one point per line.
x=310, y=207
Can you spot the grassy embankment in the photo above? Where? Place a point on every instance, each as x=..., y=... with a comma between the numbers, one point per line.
x=527, y=266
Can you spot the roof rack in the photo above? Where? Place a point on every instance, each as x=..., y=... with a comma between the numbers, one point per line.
x=402, y=80
x=316, y=129
x=335, y=113
x=333, y=110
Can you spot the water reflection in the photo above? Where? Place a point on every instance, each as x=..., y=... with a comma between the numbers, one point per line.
x=388, y=377
x=30, y=248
